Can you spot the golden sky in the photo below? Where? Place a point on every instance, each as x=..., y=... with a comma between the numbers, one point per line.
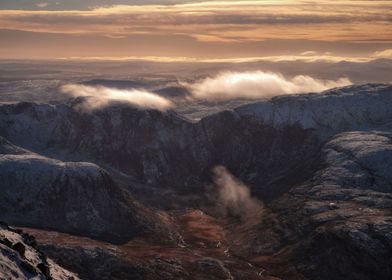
x=195, y=30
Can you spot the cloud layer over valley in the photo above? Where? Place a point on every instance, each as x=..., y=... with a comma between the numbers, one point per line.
x=99, y=96
x=258, y=84
x=250, y=85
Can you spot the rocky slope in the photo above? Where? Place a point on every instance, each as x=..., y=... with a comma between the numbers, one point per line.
x=349, y=203
x=337, y=225
x=21, y=259
x=75, y=197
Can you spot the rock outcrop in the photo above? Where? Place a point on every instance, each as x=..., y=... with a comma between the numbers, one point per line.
x=21, y=259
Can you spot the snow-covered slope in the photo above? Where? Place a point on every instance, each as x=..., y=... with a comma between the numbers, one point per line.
x=337, y=110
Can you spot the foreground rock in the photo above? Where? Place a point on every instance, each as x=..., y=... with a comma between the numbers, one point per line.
x=21, y=259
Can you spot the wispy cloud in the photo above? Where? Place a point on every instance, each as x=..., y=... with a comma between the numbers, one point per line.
x=234, y=198
x=42, y=4
x=99, y=96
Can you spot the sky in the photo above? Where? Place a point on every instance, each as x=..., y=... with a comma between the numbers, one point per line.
x=174, y=30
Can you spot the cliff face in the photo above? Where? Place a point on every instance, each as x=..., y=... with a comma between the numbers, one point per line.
x=161, y=149
x=254, y=140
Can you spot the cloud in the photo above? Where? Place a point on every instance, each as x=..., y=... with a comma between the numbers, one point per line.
x=99, y=96
x=383, y=54
x=234, y=198
x=219, y=21
x=204, y=29
x=42, y=5
x=258, y=84
x=308, y=57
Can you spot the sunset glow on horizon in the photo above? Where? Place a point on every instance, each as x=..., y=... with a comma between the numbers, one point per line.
x=196, y=30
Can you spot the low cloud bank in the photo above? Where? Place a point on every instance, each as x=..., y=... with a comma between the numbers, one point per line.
x=257, y=84
x=223, y=86
x=234, y=198
x=99, y=96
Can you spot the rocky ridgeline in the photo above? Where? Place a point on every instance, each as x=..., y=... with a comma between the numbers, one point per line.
x=350, y=108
